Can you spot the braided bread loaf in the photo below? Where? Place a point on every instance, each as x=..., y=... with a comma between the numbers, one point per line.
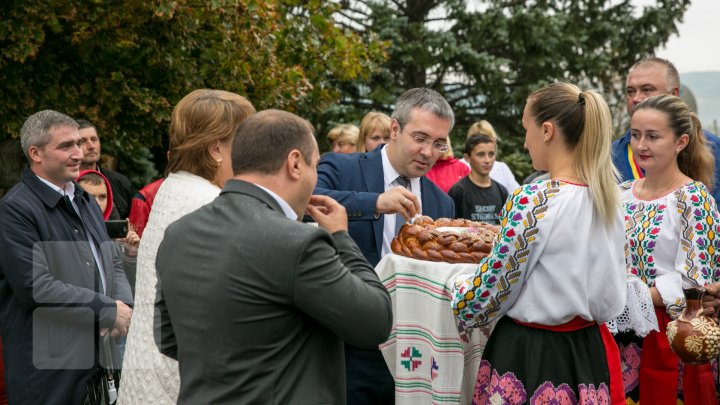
x=445, y=240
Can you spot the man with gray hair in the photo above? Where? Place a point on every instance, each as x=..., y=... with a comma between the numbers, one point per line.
x=62, y=284
x=381, y=190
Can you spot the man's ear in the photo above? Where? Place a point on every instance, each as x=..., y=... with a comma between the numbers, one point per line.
x=293, y=164
x=34, y=153
x=394, y=129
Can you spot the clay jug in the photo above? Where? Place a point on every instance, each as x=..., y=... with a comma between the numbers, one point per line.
x=693, y=337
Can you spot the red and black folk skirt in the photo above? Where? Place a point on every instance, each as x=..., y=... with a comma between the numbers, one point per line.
x=574, y=363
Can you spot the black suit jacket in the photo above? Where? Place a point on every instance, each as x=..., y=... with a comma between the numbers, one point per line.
x=256, y=307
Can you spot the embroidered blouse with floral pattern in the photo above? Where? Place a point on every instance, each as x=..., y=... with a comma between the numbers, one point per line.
x=672, y=241
x=554, y=259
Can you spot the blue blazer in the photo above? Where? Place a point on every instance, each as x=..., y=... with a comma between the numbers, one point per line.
x=355, y=181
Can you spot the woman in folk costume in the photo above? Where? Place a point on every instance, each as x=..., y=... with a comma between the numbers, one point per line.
x=671, y=225
x=557, y=270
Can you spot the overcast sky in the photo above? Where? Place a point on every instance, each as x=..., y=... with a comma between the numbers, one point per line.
x=696, y=47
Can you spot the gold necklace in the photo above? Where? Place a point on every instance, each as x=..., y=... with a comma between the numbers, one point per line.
x=664, y=191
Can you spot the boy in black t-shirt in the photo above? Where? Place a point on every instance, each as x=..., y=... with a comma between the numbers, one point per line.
x=477, y=197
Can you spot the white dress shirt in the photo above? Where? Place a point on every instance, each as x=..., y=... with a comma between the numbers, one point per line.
x=390, y=176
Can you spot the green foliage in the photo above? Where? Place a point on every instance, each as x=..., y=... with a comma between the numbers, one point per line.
x=124, y=64
x=486, y=60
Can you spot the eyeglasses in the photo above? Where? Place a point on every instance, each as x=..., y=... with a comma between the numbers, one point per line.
x=424, y=140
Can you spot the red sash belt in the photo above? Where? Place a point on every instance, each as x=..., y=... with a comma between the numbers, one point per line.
x=574, y=324
x=612, y=353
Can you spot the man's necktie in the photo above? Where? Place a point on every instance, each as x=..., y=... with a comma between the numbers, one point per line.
x=399, y=220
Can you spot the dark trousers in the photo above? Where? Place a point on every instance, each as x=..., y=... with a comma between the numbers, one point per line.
x=369, y=381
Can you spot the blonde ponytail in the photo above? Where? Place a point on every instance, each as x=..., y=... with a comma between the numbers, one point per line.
x=585, y=122
x=594, y=156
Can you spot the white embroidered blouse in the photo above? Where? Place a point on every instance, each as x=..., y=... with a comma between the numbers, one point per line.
x=553, y=260
x=672, y=241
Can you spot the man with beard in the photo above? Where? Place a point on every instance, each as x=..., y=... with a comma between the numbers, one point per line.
x=380, y=191
x=120, y=185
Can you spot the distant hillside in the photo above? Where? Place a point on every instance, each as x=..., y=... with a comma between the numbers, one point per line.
x=706, y=88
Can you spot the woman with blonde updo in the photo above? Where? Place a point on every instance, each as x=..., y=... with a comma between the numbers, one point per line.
x=202, y=128
x=344, y=138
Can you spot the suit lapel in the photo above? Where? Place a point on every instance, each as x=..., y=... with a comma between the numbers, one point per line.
x=371, y=170
x=428, y=205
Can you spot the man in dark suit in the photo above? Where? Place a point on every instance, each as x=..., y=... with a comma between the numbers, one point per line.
x=255, y=305
x=61, y=281
x=381, y=190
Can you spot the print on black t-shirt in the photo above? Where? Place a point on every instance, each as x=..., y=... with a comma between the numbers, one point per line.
x=482, y=204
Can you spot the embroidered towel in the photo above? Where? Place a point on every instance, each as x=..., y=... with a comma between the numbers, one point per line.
x=429, y=360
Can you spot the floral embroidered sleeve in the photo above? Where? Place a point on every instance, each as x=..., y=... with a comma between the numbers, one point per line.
x=695, y=259
x=494, y=287
x=696, y=256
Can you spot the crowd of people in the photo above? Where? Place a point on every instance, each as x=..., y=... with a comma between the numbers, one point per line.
x=246, y=274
